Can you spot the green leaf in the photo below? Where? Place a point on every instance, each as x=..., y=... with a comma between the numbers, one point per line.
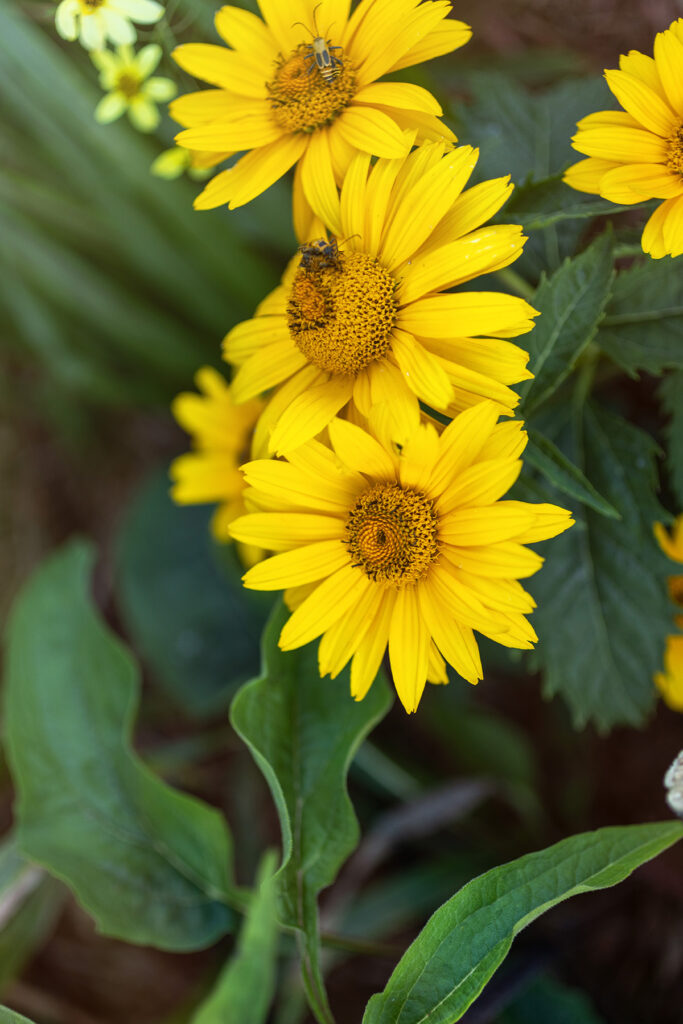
x=245, y=989
x=466, y=940
x=10, y=1017
x=571, y=303
x=548, y=1000
x=303, y=731
x=603, y=610
x=150, y=864
x=671, y=393
x=183, y=602
x=543, y=204
x=30, y=902
x=643, y=326
x=541, y=454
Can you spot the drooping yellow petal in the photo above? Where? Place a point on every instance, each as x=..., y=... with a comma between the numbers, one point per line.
x=642, y=102
x=308, y=377
x=324, y=607
x=341, y=641
x=310, y=413
x=252, y=174
x=306, y=564
x=360, y=451
x=408, y=649
x=422, y=371
x=673, y=228
x=268, y=366
x=459, y=602
x=248, y=337
x=395, y=410
x=284, y=531
x=456, y=642
x=653, y=232
x=318, y=182
x=371, y=131
x=368, y=657
x=437, y=673
x=352, y=201
x=381, y=182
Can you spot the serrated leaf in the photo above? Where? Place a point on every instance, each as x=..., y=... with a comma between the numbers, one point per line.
x=603, y=610
x=183, y=602
x=303, y=731
x=542, y=204
x=245, y=989
x=149, y=863
x=643, y=325
x=466, y=940
x=672, y=397
x=571, y=303
x=541, y=454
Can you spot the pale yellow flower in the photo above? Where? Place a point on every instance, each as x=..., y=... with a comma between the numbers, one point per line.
x=96, y=22
x=126, y=77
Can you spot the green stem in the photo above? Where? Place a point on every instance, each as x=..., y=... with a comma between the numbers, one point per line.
x=517, y=283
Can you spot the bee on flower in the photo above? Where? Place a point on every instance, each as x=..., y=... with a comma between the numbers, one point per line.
x=408, y=548
x=636, y=154
x=273, y=101
x=97, y=22
x=125, y=75
x=373, y=332
x=670, y=681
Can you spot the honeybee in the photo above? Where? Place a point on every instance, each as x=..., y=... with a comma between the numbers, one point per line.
x=320, y=255
x=321, y=54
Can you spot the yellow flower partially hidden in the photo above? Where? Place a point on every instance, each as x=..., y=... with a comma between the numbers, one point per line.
x=96, y=22
x=221, y=433
x=364, y=324
x=273, y=101
x=174, y=162
x=126, y=77
x=411, y=550
x=637, y=154
x=670, y=681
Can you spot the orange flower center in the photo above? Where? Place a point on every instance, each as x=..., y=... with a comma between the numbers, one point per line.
x=302, y=98
x=392, y=534
x=675, y=155
x=341, y=309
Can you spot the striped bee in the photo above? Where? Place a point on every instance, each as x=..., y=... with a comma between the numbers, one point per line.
x=321, y=54
x=320, y=255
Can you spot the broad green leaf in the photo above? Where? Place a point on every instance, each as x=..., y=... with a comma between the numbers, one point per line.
x=543, y=204
x=603, y=610
x=245, y=989
x=303, y=731
x=466, y=940
x=150, y=864
x=643, y=325
x=571, y=303
x=672, y=397
x=183, y=602
x=541, y=454
x=10, y=1017
x=30, y=902
x=548, y=1000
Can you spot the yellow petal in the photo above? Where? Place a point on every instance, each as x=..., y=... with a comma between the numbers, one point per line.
x=480, y=484
x=445, y=38
x=488, y=525
x=318, y=182
x=425, y=127
x=376, y=202
x=653, y=232
x=250, y=336
x=634, y=183
x=294, y=568
x=324, y=607
x=199, y=107
x=418, y=456
x=399, y=94
x=281, y=399
x=494, y=561
x=408, y=649
x=283, y=531
x=281, y=19
x=670, y=543
x=673, y=228
x=460, y=444
x=507, y=441
x=202, y=477
x=501, y=360
x=310, y=413
x=245, y=31
x=398, y=36
x=500, y=594
x=234, y=132
x=368, y=657
x=252, y=174
x=395, y=410
x=371, y=131
x=471, y=209
x=548, y=520
x=353, y=203
x=436, y=671
x=607, y=119
x=460, y=602
x=456, y=642
x=642, y=102
x=267, y=367
x=341, y=641
x=625, y=145
x=360, y=451
x=241, y=73
x=422, y=371
x=586, y=175
x=669, y=61
x=297, y=490
x=643, y=67
x=467, y=313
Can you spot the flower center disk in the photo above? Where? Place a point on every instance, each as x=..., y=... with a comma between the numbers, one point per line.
x=341, y=311
x=302, y=100
x=129, y=84
x=675, y=155
x=392, y=534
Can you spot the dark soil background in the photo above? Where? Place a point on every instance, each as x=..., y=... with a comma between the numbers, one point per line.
x=624, y=947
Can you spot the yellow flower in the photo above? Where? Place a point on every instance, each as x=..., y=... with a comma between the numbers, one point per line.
x=670, y=682
x=410, y=550
x=125, y=76
x=221, y=432
x=174, y=162
x=637, y=154
x=274, y=102
x=363, y=325
x=97, y=21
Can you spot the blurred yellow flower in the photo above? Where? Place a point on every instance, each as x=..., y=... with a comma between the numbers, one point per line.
x=221, y=434
x=173, y=162
x=125, y=76
x=365, y=324
x=96, y=22
x=273, y=101
x=670, y=681
x=408, y=548
x=637, y=154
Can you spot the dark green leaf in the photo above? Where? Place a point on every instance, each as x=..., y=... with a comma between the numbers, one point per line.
x=548, y=1000
x=150, y=864
x=10, y=1017
x=672, y=397
x=302, y=731
x=571, y=303
x=466, y=940
x=183, y=602
x=603, y=611
x=541, y=454
x=542, y=204
x=245, y=989
x=643, y=326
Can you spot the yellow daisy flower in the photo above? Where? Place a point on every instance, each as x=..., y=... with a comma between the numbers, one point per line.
x=409, y=549
x=174, y=162
x=637, y=154
x=221, y=433
x=275, y=102
x=96, y=22
x=670, y=681
x=364, y=324
x=126, y=77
